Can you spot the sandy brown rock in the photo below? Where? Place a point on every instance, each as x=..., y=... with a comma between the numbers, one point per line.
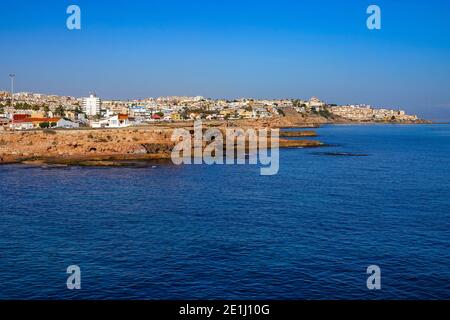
x=296, y=134
x=300, y=143
x=102, y=145
x=85, y=144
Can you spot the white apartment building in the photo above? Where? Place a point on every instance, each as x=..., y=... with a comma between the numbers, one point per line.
x=91, y=105
x=315, y=102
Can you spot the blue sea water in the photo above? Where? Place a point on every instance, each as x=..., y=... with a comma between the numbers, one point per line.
x=225, y=232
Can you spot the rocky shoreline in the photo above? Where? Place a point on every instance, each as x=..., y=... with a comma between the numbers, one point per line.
x=73, y=146
x=297, y=134
x=98, y=147
x=147, y=143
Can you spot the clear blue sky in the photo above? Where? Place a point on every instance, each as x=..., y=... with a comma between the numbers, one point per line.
x=233, y=48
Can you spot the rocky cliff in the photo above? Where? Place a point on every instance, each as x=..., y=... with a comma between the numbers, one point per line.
x=72, y=146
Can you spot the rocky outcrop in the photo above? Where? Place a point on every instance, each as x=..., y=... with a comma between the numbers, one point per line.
x=157, y=148
x=296, y=134
x=300, y=143
x=96, y=146
x=85, y=144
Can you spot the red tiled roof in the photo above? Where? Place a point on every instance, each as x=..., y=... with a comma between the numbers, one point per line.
x=39, y=120
x=18, y=117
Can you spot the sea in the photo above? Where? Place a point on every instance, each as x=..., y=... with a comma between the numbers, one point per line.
x=375, y=195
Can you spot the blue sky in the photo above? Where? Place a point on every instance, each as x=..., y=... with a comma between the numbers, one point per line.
x=233, y=48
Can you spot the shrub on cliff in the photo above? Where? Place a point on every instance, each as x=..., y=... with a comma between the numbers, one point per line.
x=324, y=113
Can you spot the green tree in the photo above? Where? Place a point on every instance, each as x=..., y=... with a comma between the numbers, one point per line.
x=59, y=111
x=44, y=125
x=326, y=113
x=46, y=110
x=78, y=110
x=184, y=113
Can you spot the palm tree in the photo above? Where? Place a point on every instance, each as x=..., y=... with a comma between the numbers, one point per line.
x=59, y=111
x=46, y=110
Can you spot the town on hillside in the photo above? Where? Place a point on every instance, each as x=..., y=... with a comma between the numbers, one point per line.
x=27, y=111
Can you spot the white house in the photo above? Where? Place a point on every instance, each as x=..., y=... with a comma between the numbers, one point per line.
x=117, y=121
x=66, y=124
x=21, y=126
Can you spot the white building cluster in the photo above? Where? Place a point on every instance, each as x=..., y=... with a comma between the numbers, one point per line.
x=97, y=113
x=366, y=113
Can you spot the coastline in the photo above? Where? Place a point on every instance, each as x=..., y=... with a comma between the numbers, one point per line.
x=110, y=147
x=98, y=146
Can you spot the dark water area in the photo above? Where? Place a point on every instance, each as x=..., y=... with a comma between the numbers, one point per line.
x=379, y=194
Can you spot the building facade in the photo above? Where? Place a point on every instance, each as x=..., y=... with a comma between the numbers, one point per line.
x=91, y=105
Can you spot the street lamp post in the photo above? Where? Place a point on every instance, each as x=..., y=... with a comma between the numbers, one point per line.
x=12, y=76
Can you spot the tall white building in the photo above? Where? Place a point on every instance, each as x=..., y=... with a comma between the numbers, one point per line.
x=92, y=105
